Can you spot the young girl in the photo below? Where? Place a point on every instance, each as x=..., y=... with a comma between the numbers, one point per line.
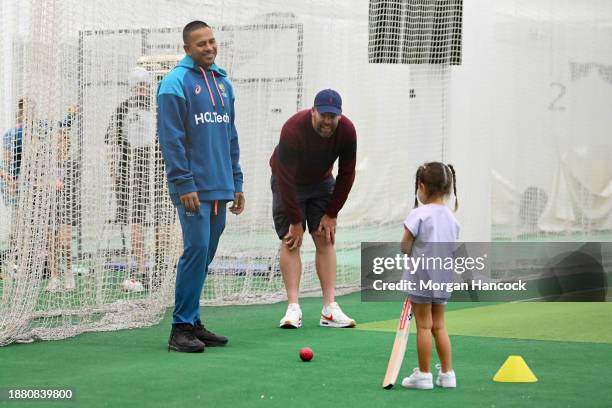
x=431, y=221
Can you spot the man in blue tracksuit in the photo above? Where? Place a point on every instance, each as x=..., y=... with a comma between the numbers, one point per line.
x=199, y=143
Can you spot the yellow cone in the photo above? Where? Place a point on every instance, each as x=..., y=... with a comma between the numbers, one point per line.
x=515, y=370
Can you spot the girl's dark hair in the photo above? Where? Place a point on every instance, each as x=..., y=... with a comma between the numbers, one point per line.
x=438, y=178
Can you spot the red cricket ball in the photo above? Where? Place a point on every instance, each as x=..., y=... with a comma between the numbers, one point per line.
x=306, y=353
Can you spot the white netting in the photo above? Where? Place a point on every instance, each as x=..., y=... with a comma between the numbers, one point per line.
x=91, y=207
x=550, y=125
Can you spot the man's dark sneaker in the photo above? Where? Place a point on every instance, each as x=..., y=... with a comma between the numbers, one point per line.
x=209, y=338
x=183, y=339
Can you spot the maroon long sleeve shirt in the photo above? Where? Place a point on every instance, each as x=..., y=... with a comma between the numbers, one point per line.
x=303, y=157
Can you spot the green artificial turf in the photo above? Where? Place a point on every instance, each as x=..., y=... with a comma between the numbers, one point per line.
x=261, y=367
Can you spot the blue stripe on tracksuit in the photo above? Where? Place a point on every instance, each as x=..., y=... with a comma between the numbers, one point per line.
x=201, y=233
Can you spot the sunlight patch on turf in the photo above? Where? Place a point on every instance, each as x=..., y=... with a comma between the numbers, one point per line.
x=555, y=321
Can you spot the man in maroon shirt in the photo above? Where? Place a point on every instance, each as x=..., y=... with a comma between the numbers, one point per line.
x=305, y=193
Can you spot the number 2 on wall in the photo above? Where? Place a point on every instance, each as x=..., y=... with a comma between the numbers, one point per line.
x=554, y=105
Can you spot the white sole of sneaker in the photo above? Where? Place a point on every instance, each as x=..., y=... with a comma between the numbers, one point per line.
x=330, y=323
x=288, y=325
x=419, y=386
x=442, y=385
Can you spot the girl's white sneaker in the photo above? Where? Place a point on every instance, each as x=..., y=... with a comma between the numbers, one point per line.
x=446, y=380
x=418, y=380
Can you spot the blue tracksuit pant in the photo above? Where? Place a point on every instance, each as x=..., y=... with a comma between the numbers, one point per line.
x=201, y=233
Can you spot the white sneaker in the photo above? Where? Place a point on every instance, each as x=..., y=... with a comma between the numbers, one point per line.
x=132, y=285
x=418, y=380
x=446, y=380
x=9, y=271
x=54, y=285
x=68, y=278
x=292, y=318
x=333, y=316
x=69, y=283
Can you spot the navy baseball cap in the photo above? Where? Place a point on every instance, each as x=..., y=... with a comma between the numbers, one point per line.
x=328, y=101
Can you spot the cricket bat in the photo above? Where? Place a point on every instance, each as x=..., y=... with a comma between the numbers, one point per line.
x=399, y=346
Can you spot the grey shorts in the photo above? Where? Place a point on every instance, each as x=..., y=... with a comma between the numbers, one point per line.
x=312, y=200
x=424, y=300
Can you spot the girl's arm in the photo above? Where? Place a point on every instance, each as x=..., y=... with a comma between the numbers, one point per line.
x=407, y=241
